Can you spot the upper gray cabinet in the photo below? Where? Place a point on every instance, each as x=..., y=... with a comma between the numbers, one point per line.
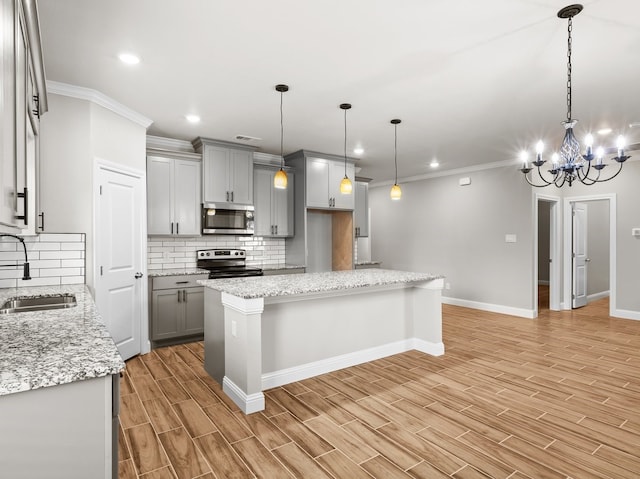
x=227, y=171
x=361, y=212
x=22, y=101
x=273, y=206
x=173, y=194
x=323, y=177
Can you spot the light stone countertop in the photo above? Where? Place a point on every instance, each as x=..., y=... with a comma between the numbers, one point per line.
x=47, y=348
x=293, y=284
x=157, y=273
x=271, y=267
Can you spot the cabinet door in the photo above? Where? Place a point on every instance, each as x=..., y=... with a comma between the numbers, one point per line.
x=186, y=207
x=215, y=174
x=193, y=304
x=282, y=208
x=159, y=196
x=317, y=183
x=263, y=186
x=336, y=174
x=241, y=179
x=361, y=216
x=21, y=105
x=7, y=116
x=167, y=314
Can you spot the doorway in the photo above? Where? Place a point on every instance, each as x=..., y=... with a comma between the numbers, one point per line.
x=589, y=250
x=120, y=255
x=547, y=284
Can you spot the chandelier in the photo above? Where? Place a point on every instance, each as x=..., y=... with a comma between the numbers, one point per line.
x=569, y=165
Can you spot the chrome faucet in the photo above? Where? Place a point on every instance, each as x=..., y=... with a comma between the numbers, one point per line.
x=25, y=273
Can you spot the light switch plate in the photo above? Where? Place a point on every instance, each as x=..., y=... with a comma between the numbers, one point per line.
x=635, y=232
x=510, y=238
x=464, y=181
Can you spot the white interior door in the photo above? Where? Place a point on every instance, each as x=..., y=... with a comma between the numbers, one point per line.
x=119, y=241
x=580, y=259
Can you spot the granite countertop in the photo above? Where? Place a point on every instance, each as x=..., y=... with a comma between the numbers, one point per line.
x=47, y=348
x=287, y=285
x=271, y=267
x=157, y=273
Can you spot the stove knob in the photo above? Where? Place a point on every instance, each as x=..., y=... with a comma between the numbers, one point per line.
x=208, y=254
x=237, y=253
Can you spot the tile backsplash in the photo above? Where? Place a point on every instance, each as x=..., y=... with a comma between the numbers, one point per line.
x=54, y=259
x=169, y=253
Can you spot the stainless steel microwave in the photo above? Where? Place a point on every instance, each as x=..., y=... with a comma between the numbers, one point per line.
x=226, y=219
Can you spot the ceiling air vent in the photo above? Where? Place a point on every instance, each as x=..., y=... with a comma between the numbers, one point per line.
x=247, y=138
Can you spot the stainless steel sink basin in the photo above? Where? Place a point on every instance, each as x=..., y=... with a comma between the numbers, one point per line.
x=38, y=303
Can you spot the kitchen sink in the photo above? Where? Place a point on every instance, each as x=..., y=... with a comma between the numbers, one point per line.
x=38, y=303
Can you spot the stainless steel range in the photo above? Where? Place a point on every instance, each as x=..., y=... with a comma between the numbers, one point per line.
x=225, y=263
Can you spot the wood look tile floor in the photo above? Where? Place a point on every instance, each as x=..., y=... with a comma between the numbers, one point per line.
x=554, y=397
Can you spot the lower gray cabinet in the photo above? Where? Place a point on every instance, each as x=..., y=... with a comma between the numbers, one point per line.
x=177, y=307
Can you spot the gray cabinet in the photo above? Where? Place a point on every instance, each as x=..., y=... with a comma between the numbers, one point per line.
x=173, y=196
x=177, y=307
x=361, y=212
x=227, y=172
x=273, y=206
x=323, y=179
x=22, y=100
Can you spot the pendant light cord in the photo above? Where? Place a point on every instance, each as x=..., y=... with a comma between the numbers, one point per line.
x=569, y=28
x=395, y=150
x=345, y=143
x=281, y=134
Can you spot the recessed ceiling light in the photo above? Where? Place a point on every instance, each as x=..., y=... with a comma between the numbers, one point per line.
x=434, y=163
x=604, y=131
x=192, y=118
x=129, y=58
x=358, y=151
x=635, y=124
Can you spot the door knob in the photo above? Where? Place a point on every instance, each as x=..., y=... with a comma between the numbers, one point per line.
x=138, y=275
x=587, y=260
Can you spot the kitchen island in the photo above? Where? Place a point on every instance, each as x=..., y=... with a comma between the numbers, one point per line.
x=263, y=332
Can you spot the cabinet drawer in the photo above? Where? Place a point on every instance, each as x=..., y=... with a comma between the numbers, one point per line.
x=172, y=282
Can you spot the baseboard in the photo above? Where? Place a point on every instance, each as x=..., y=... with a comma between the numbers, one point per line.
x=597, y=296
x=248, y=403
x=626, y=314
x=323, y=366
x=494, y=308
x=543, y=282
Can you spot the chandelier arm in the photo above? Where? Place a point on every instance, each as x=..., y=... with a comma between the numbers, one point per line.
x=543, y=178
x=587, y=180
x=613, y=176
x=526, y=177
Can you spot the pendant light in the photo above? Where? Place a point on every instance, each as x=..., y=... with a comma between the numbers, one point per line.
x=280, y=178
x=396, y=192
x=346, y=187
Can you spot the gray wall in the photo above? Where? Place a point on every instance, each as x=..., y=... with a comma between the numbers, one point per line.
x=459, y=231
x=544, y=232
x=598, y=246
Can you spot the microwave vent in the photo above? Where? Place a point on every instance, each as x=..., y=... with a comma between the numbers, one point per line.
x=247, y=138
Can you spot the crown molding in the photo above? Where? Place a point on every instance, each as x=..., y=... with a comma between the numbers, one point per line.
x=172, y=144
x=94, y=96
x=440, y=174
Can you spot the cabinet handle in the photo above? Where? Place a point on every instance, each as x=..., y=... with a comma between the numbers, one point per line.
x=177, y=228
x=41, y=227
x=184, y=295
x=172, y=227
x=276, y=229
x=227, y=196
x=271, y=229
x=179, y=291
x=25, y=216
x=232, y=197
x=182, y=282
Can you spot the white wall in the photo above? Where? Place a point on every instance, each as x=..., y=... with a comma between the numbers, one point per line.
x=74, y=134
x=598, y=247
x=459, y=231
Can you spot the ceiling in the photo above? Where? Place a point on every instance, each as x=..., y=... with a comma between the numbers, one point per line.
x=473, y=82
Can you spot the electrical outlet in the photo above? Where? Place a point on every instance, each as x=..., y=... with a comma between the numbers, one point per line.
x=447, y=286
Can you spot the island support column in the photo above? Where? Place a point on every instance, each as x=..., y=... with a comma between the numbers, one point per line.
x=427, y=317
x=242, y=381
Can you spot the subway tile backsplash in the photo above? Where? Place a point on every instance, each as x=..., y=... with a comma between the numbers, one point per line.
x=54, y=259
x=170, y=253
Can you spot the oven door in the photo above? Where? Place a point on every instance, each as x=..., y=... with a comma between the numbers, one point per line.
x=226, y=220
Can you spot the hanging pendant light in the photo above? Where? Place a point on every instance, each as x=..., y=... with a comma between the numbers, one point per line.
x=346, y=187
x=280, y=178
x=396, y=192
x=568, y=165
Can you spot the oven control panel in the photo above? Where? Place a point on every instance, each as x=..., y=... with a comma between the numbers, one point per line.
x=221, y=254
